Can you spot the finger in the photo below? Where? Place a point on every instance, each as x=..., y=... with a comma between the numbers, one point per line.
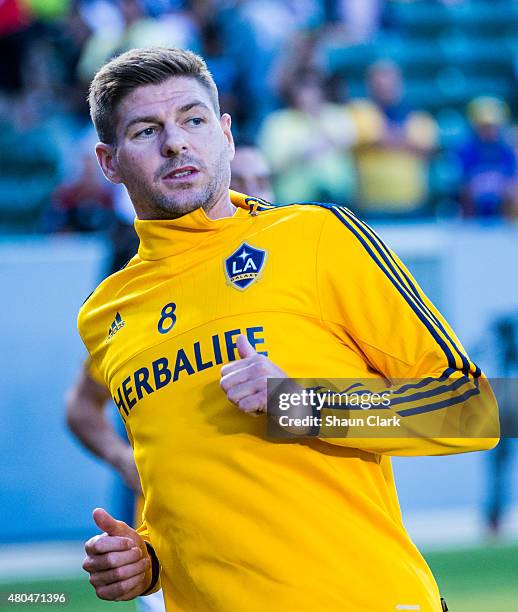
x=259, y=361
x=119, y=590
x=120, y=573
x=236, y=377
x=244, y=348
x=104, y=543
x=253, y=403
x=234, y=366
x=97, y=563
x=112, y=526
x=136, y=591
x=237, y=392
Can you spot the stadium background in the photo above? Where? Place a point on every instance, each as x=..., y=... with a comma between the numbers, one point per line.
x=459, y=237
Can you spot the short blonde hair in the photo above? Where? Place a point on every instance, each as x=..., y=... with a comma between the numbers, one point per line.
x=135, y=68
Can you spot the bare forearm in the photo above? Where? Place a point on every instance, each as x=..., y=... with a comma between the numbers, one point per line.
x=90, y=426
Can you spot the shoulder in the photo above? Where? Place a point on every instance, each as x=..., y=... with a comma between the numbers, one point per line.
x=368, y=120
x=303, y=211
x=315, y=222
x=105, y=297
x=294, y=208
x=340, y=240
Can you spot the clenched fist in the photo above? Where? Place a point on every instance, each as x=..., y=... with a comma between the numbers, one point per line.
x=244, y=381
x=117, y=560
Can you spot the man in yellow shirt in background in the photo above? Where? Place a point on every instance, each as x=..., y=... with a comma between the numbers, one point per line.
x=308, y=145
x=393, y=148
x=227, y=291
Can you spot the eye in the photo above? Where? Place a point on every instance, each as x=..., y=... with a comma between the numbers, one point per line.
x=196, y=121
x=146, y=132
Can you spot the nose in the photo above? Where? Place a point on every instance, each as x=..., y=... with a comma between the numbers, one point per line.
x=173, y=141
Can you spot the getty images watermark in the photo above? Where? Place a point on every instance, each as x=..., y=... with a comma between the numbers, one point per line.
x=318, y=399
x=447, y=406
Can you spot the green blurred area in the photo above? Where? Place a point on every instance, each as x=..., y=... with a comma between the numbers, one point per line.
x=479, y=579
x=471, y=580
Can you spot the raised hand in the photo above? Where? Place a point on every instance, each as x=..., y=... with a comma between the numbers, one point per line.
x=244, y=381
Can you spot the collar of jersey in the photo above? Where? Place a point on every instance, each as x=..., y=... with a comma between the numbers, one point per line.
x=163, y=238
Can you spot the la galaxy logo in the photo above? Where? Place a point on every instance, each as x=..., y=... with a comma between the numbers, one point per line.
x=242, y=268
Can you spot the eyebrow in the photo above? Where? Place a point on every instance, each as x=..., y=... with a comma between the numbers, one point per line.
x=153, y=119
x=147, y=119
x=187, y=107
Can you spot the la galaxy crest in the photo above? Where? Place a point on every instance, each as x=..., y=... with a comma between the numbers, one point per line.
x=244, y=266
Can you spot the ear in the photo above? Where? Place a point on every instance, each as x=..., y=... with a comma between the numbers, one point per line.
x=106, y=156
x=226, y=124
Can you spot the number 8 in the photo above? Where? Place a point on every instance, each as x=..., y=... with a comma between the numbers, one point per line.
x=167, y=313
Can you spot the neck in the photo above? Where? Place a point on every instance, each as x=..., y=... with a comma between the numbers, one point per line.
x=222, y=208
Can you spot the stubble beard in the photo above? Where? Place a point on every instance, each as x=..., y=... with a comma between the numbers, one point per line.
x=184, y=199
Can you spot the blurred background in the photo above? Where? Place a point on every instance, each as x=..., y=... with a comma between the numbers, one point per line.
x=405, y=111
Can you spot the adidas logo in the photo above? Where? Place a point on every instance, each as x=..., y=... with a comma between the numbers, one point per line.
x=118, y=323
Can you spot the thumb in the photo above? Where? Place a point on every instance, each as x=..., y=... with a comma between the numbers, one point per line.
x=244, y=348
x=111, y=526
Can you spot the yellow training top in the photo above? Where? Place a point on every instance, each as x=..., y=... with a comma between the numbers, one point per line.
x=241, y=522
x=93, y=372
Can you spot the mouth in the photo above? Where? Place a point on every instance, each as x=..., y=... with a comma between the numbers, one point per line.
x=181, y=174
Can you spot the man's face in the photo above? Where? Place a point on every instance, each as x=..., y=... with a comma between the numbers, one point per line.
x=172, y=152
x=250, y=173
x=386, y=85
x=308, y=97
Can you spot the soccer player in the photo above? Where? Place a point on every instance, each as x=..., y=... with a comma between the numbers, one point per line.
x=225, y=292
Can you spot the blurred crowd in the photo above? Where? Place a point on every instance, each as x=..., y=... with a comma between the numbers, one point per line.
x=328, y=133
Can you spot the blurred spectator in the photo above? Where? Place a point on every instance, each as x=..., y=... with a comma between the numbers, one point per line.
x=360, y=18
x=250, y=173
x=394, y=146
x=307, y=145
x=222, y=68
x=261, y=52
x=84, y=204
x=299, y=55
x=132, y=27
x=250, y=52
x=14, y=16
x=14, y=21
x=33, y=139
x=488, y=163
x=69, y=43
